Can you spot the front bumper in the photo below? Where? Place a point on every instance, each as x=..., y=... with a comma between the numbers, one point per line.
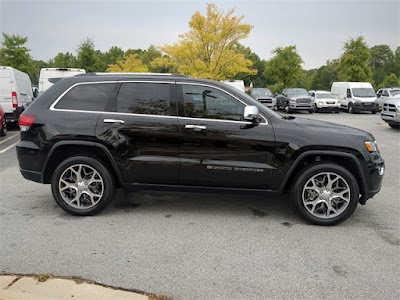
x=365, y=106
x=390, y=117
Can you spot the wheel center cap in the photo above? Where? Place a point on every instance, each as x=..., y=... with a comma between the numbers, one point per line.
x=325, y=195
x=81, y=186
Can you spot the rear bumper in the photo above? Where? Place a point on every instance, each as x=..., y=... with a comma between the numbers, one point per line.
x=32, y=175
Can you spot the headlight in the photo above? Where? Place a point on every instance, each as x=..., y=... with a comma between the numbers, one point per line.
x=398, y=108
x=371, y=146
x=321, y=103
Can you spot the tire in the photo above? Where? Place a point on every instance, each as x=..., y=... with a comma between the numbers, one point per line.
x=395, y=126
x=325, y=212
x=350, y=108
x=311, y=111
x=90, y=197
x=373, y=112
x=287, y=108
x=3, y=131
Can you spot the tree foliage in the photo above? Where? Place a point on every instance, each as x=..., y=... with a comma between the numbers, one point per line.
x=285, y=67
x=87, y=57
x=130, y=64
x=14, y=53
x=353, y=65
x=325, y=76
x=390, y=81
x=207, y=49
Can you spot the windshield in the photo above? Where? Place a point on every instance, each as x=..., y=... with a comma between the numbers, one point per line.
x=297, y=92
x=324, y=96
x=363, y=92
x=259, y=92
x=395, y=92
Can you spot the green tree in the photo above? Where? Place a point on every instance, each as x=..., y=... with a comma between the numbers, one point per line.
x=353, y=65
x=87, y=57
x=64, y=60
x=381, y=62
x=258, y=79
x=390, y=81
x=207, y=49
x=14, y=53
x=285, y=67
x=325, y=76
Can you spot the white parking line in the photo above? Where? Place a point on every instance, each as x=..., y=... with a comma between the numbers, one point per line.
x=9, y=147
x=9, y=138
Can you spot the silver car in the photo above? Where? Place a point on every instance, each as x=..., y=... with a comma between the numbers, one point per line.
x=264, y=96
x=391, y=112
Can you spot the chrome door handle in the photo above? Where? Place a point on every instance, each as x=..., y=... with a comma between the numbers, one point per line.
x=196, y=127
x=114, y=121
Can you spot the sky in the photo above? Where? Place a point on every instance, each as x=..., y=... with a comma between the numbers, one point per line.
x=318, y=28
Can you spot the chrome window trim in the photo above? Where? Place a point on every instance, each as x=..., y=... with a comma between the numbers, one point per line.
x=52, y=107
x=226, y=92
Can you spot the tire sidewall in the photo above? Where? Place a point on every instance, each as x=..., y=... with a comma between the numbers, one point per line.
x=319, y=168
x=4, y=127
x=108, y=181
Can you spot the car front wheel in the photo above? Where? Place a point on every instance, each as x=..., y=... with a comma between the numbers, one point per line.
x=82, y=186
x=325, y=194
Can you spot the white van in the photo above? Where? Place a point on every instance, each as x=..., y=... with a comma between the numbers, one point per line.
x=355, y=96
x=46, y=74
x=239, y=84
x=15, y=92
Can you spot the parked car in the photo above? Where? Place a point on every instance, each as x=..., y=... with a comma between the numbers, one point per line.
x=239, y=84
x=90, y=134
x=325, y=101
x=15, y=92
x=46, y=74
x=391, y=112
x=264, y=96
x=387, y=94
x=295, y=99
x=355, y=96
x=3, y=123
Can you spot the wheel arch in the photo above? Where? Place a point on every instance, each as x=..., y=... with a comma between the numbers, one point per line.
x=346, y=160
x=65, y=149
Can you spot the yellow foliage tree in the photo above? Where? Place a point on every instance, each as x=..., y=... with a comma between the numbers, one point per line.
x=206, y=50
x=129, y=64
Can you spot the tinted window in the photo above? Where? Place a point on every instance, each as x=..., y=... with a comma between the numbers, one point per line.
x=144, y=98
x=206, y=102
x=92, y=97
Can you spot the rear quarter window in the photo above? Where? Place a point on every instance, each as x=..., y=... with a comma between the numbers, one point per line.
x=87, y=97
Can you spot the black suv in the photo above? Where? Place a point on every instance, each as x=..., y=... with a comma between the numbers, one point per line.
x=89, y=134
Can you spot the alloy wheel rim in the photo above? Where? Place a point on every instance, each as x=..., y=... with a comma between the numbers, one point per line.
x=81, y=186
x=326, y=195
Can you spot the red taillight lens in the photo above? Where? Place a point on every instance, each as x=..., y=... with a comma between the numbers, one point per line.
x=25, y=120
x=14, y=99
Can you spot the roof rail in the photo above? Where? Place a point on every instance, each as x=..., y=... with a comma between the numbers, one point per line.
x=131, y=73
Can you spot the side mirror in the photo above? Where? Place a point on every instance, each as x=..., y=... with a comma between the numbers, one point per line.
x=251, y=113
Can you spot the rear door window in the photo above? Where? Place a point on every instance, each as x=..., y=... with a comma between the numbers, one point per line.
x=87, y=97
x=145, y=98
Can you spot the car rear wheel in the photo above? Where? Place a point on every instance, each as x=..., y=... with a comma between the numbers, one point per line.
x=82, y=186
x=287, y=108
x=3, y=131
x=325, y=194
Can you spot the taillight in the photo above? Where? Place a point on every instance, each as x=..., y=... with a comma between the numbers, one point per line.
x=14, y=99
x=25, y=122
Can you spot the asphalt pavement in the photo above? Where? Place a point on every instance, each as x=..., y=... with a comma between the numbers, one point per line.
x=208, y=246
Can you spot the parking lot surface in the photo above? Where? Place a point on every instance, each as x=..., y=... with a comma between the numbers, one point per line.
x=207, y=246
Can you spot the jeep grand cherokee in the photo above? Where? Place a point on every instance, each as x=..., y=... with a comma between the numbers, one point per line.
x=89, y=134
